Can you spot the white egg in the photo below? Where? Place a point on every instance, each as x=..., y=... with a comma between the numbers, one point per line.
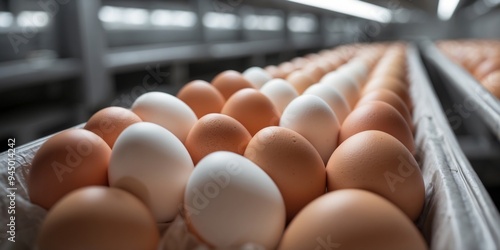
x=280, y=92
x=153, y=164
x=257, y=76
x=332, y=97
x=311, y=117
x=230, y=201
x=343, y=84
x=167, y=111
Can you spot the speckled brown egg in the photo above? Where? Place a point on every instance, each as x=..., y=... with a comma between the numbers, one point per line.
x=376, y=161
x=230, y=81
x=202, y=97
x=216, y=132
x=109, y=122
x=293, y=164
x=252, y=109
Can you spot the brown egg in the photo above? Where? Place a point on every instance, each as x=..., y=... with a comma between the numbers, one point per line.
x=252, y=109
x=274, y=71
x=392, y=84
x=300, y=81
x=109, y=122
x=98, y=218
x=492, y=83
x=314, y=72
x=378, y=162
x=388, y=97
x=202, y=97
x=286, y=68
x=299, y=62
x=377, y=115
x=472, y=61
x=69, y=160
x=486, y=67
x=293, y=164
x=230, y=81
x=351, y=219
x=216, y=132
x=389, y=70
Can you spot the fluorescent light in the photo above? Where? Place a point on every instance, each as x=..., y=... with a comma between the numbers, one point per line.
x=446, y=8
x=109, y=14
x=183, y=18
x=6, y=19
x=303, y=23
x=162, y=18
x=32, y=19
x=216, y=20
x=353, y=8
x=135, y=16
x=263, y=22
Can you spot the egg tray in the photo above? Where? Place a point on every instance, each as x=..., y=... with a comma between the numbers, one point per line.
x=486, y=104
x=458, y=212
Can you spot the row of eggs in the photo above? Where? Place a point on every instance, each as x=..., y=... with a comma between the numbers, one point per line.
x=265, y=152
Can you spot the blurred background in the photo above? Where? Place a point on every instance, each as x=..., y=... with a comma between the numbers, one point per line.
x=62, y=60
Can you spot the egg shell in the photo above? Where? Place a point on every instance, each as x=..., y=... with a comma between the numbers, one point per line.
x=216, y=132
x=280, y=92
x=351, y=219
x=293, y=164
x=344, y=85
x=257, y=76
x=151, y=163
x=109, y=122
x=229, y=82
x=286, y=68
x=202, y=97
x=230, y=201
x=486, y=67
x=376, y=161
x=390, y=98
x=492, y=83
x=299, y=62
x=98, y=218
x=392, y=84
x=69, y=160
x=311, y=117
x=252, y=109
x=167, y=111
x=332, y=97
x=274, y=71
x=300, y=81
x=377, y=115
x=314, y=72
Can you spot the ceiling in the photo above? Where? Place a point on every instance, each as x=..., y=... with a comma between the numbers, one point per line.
x=428, y=6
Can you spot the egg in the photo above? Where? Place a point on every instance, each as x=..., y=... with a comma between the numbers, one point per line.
x=69, y=160
x=286, y=68
x=492, y=83
x=98, y=218
x=252, y=109
x=202, y=97
x=311, y=117
x=390, y=98
x=486, y=67
x=167, y=111
x=392, y=84
x=314, y=72
x=333, y=98
x=274, y=71
x=109, y=122
x=280, y=92
x=229, y=82
x=229, y=201
x=216, y=132
x=377, y=115
x=300, y=81
x=293, y=164
x=351, y=219
x=344, y=85
x=299, y=62
x=376, y=161
x=257, y=76
x=153, y=164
